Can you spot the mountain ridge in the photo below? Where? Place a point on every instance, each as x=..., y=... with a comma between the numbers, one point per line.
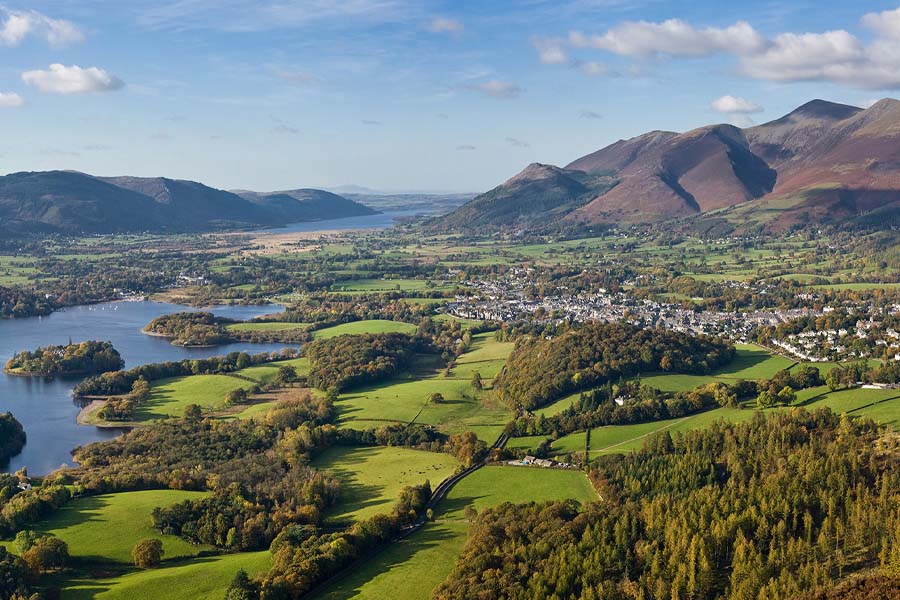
x=72, y=202
x=822, y=162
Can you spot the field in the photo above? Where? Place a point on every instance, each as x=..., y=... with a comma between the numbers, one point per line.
x=388, y=285
x=405, y=398
x=407, y=570
x=103, y=529
x=490, y=486
x=358, y=327
x=751, y=363
x=269, y=371
x=412, y=568
x=266, y=326
x=169, y=397
x=204, y=578
x=372, y=478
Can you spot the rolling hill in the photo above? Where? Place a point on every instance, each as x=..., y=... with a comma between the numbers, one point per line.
x=823, y=162
x=69, y=202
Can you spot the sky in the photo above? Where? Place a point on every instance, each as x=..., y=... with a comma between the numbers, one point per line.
x=408, y=95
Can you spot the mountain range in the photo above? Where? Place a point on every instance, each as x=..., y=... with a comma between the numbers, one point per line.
x=823, y=162
x=70, y=202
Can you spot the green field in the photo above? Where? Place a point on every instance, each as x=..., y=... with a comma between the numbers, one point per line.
x=358, y=327
x=388, y=285
x=412, y=568
x=169, y=397
x=407, y=570
x=266, y=326
x=751, y=363
x=204, y=578
x=371, y=478
x=104, y=528
x=493, y=485
x=486, y=356
x=405, y=398
x=268, y=372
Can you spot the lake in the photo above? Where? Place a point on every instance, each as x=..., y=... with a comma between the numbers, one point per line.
x=378, y=221
x=45, y=407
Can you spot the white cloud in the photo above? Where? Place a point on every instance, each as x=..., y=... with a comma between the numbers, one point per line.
x=832, y=56
x=497, y=89
x=593, y=68
x=735, y=105
x=60, y=79
x=445, y=25
x=11, y=100
x=17, y=25
x=641, y=39
x=885, y=24
x=550, y=52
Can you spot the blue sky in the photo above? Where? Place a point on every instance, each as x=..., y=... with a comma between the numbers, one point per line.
x=399, y=95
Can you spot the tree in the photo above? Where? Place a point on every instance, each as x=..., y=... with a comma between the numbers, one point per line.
x=477, y=384
x=286, y=374
x=236, y=396
x=766, y=399
x=47, y=553
x=787, y=395
x=147, y=553
x=193, y=412
x=25, y=540
x=242, y=588
x=436, y=398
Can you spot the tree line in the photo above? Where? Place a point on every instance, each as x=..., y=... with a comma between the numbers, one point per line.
x=542, y=369
x=72, y=359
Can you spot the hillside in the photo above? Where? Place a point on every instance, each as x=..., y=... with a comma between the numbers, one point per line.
x=823, y=162
x=74, y=203
x=306, y=204
x=538, y=194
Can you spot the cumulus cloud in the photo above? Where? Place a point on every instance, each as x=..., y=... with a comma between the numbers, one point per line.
x=832, y=56
x=497, y=88
x=550, y=52
x=734, y=105
x=641, y=39
x=445, y=25
x=15, y=26
x=11, y=100
x=517, y=142
x=60, y=79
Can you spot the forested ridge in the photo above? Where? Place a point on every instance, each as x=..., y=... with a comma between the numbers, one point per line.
x=542, y=369
x=771, y=508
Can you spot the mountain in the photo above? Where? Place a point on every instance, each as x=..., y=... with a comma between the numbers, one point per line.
x=306, y=205
x=823, y=162
x=540, y=193
x=73, y=203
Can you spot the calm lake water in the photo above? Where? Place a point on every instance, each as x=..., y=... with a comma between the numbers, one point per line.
x=45, y=407
x=379, y=221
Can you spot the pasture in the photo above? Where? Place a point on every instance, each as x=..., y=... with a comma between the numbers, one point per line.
x=103, y=529
x=372, y=478
x=370, y=326
x=493, y=485
x=205, y=578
